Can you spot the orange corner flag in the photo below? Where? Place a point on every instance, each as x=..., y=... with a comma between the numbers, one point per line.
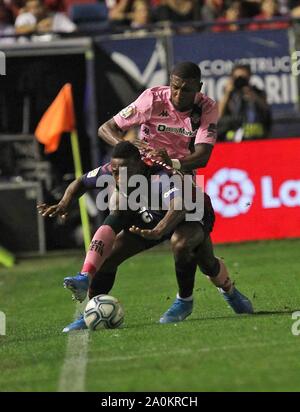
x=58, y=118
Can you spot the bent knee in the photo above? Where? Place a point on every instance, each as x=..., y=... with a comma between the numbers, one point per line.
x=182, y=249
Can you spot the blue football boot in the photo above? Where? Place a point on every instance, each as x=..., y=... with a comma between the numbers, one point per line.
x=79, y=285
x=78, y=324
x=238, y=302
x=179, y=310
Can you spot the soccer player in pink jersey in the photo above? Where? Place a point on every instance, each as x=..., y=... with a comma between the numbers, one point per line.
x=178, y=122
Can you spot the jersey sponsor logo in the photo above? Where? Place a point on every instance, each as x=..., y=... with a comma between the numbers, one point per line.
x=128, y=111
x=93, y=173
x=231, y=192
x=176, y=130
x=164, y=113
x=169, y=192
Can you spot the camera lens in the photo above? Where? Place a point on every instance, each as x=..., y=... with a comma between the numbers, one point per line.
x=240, y=82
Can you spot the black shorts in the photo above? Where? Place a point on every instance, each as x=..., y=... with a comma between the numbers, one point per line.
x=207, y=224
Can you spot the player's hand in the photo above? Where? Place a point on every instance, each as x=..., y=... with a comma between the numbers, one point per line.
x=146, y=233
x=52, y=211
x=162, y=155
x=141, y=144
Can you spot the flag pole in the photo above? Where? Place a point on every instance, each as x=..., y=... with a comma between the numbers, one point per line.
x=6, y=258
x=82, y=202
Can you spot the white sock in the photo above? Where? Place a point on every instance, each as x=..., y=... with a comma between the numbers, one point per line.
x=188, y=299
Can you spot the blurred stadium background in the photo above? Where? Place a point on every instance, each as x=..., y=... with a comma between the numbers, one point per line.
x=109, y=61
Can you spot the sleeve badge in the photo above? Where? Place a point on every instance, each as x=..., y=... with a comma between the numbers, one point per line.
x=127, y=112
x=93, y=173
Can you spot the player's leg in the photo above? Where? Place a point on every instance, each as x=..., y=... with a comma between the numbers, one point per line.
x=125, y=246
x=100, y=249
x=184, y=241
x=217, y=272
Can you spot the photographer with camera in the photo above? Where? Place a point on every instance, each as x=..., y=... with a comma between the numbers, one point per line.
x=244, y=111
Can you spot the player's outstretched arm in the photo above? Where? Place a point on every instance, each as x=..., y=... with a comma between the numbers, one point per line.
x=73, y=191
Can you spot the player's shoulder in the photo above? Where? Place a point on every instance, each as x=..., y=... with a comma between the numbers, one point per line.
x=99, y=171
x=159, y=93
x=206, y=103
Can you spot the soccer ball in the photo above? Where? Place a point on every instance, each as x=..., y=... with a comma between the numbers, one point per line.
x=103, y=311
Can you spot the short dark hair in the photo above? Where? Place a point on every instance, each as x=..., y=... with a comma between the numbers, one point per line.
x=242, y=66
x=126, y=150
x=187, y=70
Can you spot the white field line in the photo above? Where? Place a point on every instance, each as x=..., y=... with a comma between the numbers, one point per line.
x=183, y=352
x=72, y=376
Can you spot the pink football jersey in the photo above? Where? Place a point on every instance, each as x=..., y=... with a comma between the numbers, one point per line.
x=164, y=127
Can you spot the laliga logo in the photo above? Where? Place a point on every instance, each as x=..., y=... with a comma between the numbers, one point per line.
x=231, y=192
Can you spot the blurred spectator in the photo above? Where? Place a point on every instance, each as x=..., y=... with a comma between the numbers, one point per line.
x=295, y=12
x=284, y=6
x=177, y=11
x=140, y=16
x=251, y=8
x=292, y=3
x=212, y=9
x=244, y=111
x=269, y=10
x=36, y=18
x=55, y=5
x=119, y=11
x=15, y=6
x=64, y=5
x=234, y=12
x=6, y=21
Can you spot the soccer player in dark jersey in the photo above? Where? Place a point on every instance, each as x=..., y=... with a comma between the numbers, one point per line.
x=125, y=233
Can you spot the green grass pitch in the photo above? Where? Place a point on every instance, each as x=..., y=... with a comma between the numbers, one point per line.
x=213, y=350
